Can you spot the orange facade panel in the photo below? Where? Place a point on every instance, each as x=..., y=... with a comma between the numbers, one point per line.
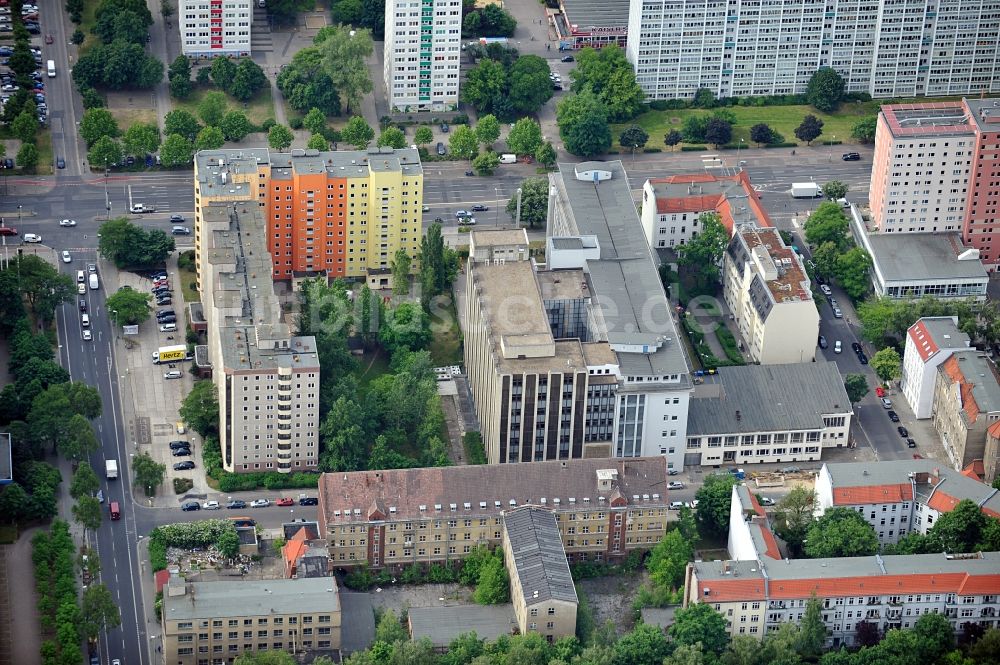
x=307, y=221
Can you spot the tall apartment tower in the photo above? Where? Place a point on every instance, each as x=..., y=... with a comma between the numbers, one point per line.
x=936, y=167
x=267, y=378
x=211, y=28
x=422, y=50
x=339, y=214
x=887, y=48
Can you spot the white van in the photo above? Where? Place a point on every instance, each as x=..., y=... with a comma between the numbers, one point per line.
x=80, y=279
x=51, y=66
x=508, y=158
x=85, y=320
x=94, y=285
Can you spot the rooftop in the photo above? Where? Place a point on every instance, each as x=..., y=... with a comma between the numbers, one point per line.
x=441, y=625
x=539, y=558
x=963, y=574
x=985, y=113
x=212, y=164
x=431, y=492
x=977, y=377
x=732, y=196
x=596, y=199
x=767, y=398
x=585, y=14
x=926, y=119
x=924, y=257
x=249, y=598
x=779, y=274
x=933, y=333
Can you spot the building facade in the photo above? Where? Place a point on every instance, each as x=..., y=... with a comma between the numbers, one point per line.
x=768, y=413
x=211, y=28
x=396, y=518
x=672, y=206
x=738, y=48
x=769, y=295
x=338, y=213
x=422, y=50
x=929, y=342
x=212, y=623
x=267, y=378
x=901, y=497
x=966, y=404
x=591, y=23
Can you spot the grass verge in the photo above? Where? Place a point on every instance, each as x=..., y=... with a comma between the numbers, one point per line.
x=259, y=109
x=446, y=341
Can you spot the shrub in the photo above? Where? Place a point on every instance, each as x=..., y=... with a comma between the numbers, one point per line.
x=648, y=150
x=783, y=144
x=182, y=485
x=267, y=125
x=295, y=122
x=460, y=119
x=693, y=148
x=474, y=451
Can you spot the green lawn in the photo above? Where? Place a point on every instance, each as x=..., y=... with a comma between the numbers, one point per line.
x=259, y=109
x=783, y=119
x=446, y=340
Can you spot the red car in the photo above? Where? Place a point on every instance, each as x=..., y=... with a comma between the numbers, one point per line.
x=880, y=391
x=8, y=231
x=285, y=501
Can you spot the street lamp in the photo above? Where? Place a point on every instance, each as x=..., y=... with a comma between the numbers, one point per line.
x=833, y=143
x=738, y=153
x=496, y=212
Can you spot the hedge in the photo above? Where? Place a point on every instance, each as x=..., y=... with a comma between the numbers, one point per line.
x=693, y=148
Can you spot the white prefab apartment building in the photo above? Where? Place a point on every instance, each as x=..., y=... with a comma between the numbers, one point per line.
x=422, y=49
x=887, y=48
x=929, y=342
x=211, y=28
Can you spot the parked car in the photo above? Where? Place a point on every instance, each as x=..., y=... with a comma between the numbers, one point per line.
x=851, y=156
x=879, y=391
x=285, y=501
x=837, y=314
x=825, y=289
x=675, y=485
x=260, y=503
x=910, y=443
x=174, y=445
x=480, y=208
x=180, y=231
x=893, y=416
x=444, y=127
x=441, y=150
x=903, y=432
x=766, y=501
x=173, y=374
x=886, y=403
x=308, y=501
x=676, y=505
x=567, y=58
x=176, y=218
x=91, y=267
x=181, y=452
x=210, y=505
x=836, y=346
x=83, y=305
x=236, y=504
x=190, y=505
x=823, y=344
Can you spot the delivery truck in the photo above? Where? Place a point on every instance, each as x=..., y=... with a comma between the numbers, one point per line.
x=805, y=190
x=170, y=354
x=111, y=468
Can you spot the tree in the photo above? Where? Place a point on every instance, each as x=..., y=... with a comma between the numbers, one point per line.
x=423, y=136
x=141, y=139
x=699, y=622
x=793, y=516
x=486, y=86
x=15, y=503
x=493, y=587
x=405, y=327
x=392, y=137
x=488, y=130
x=812, y=632
x=546, y=155
x=668, y=561
x=718, y=132
x=209, y=138
x=41, y=286
x=181, y=66
x=534, y=202
x=229, y=543
x=704, y=252
x=864, y=129
x=200, y=409
x=357, y=132
x=852, y=272
x=694, y=127
x=25, y=126
x=529, y=85
x=106, y=150
x=223, y=73
x=810, y=129
x=959, y=530
x=235, y=126
x=622, y=95
x=78, y=439
x=314, y=121
x=318, y=142
x=181, y=122
x=464, y=143
x=827, y=224
x=714, y=499
x=180, y=88
x=887, y=364
x=128, y=307
x=643, y=645
x=856, y=386
x=87, y=511
x=97, y=123
x=934, y=637
x=761, y=133
x=672, y=138
x=99, y=611
x=249, y=80
x=148, y=473
x=212, y=107
x=267, y=657
x=583, y=124
x=633, y=137
x=834, y=190
x=280, y=138
x=400, y=267
x=825, y=257
x=84, y=482
x=825, y=89
x=344, y=53
x=524, y=137
x=176, y=151
x=486, y=163
x=389, y=629
x=306, y=85
x=840, y=532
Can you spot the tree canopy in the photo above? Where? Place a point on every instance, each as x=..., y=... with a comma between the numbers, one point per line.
x=714, y=500
x=128, y=245
x=534, y=202
x=840, y=532
x=128, y=307
x=583, y=124
x=702, y=253
x=825, y=89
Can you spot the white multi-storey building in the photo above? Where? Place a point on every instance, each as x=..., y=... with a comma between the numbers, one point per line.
x=215, y=27
x=422, y=49
x=929, y=342
x=735, y=48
